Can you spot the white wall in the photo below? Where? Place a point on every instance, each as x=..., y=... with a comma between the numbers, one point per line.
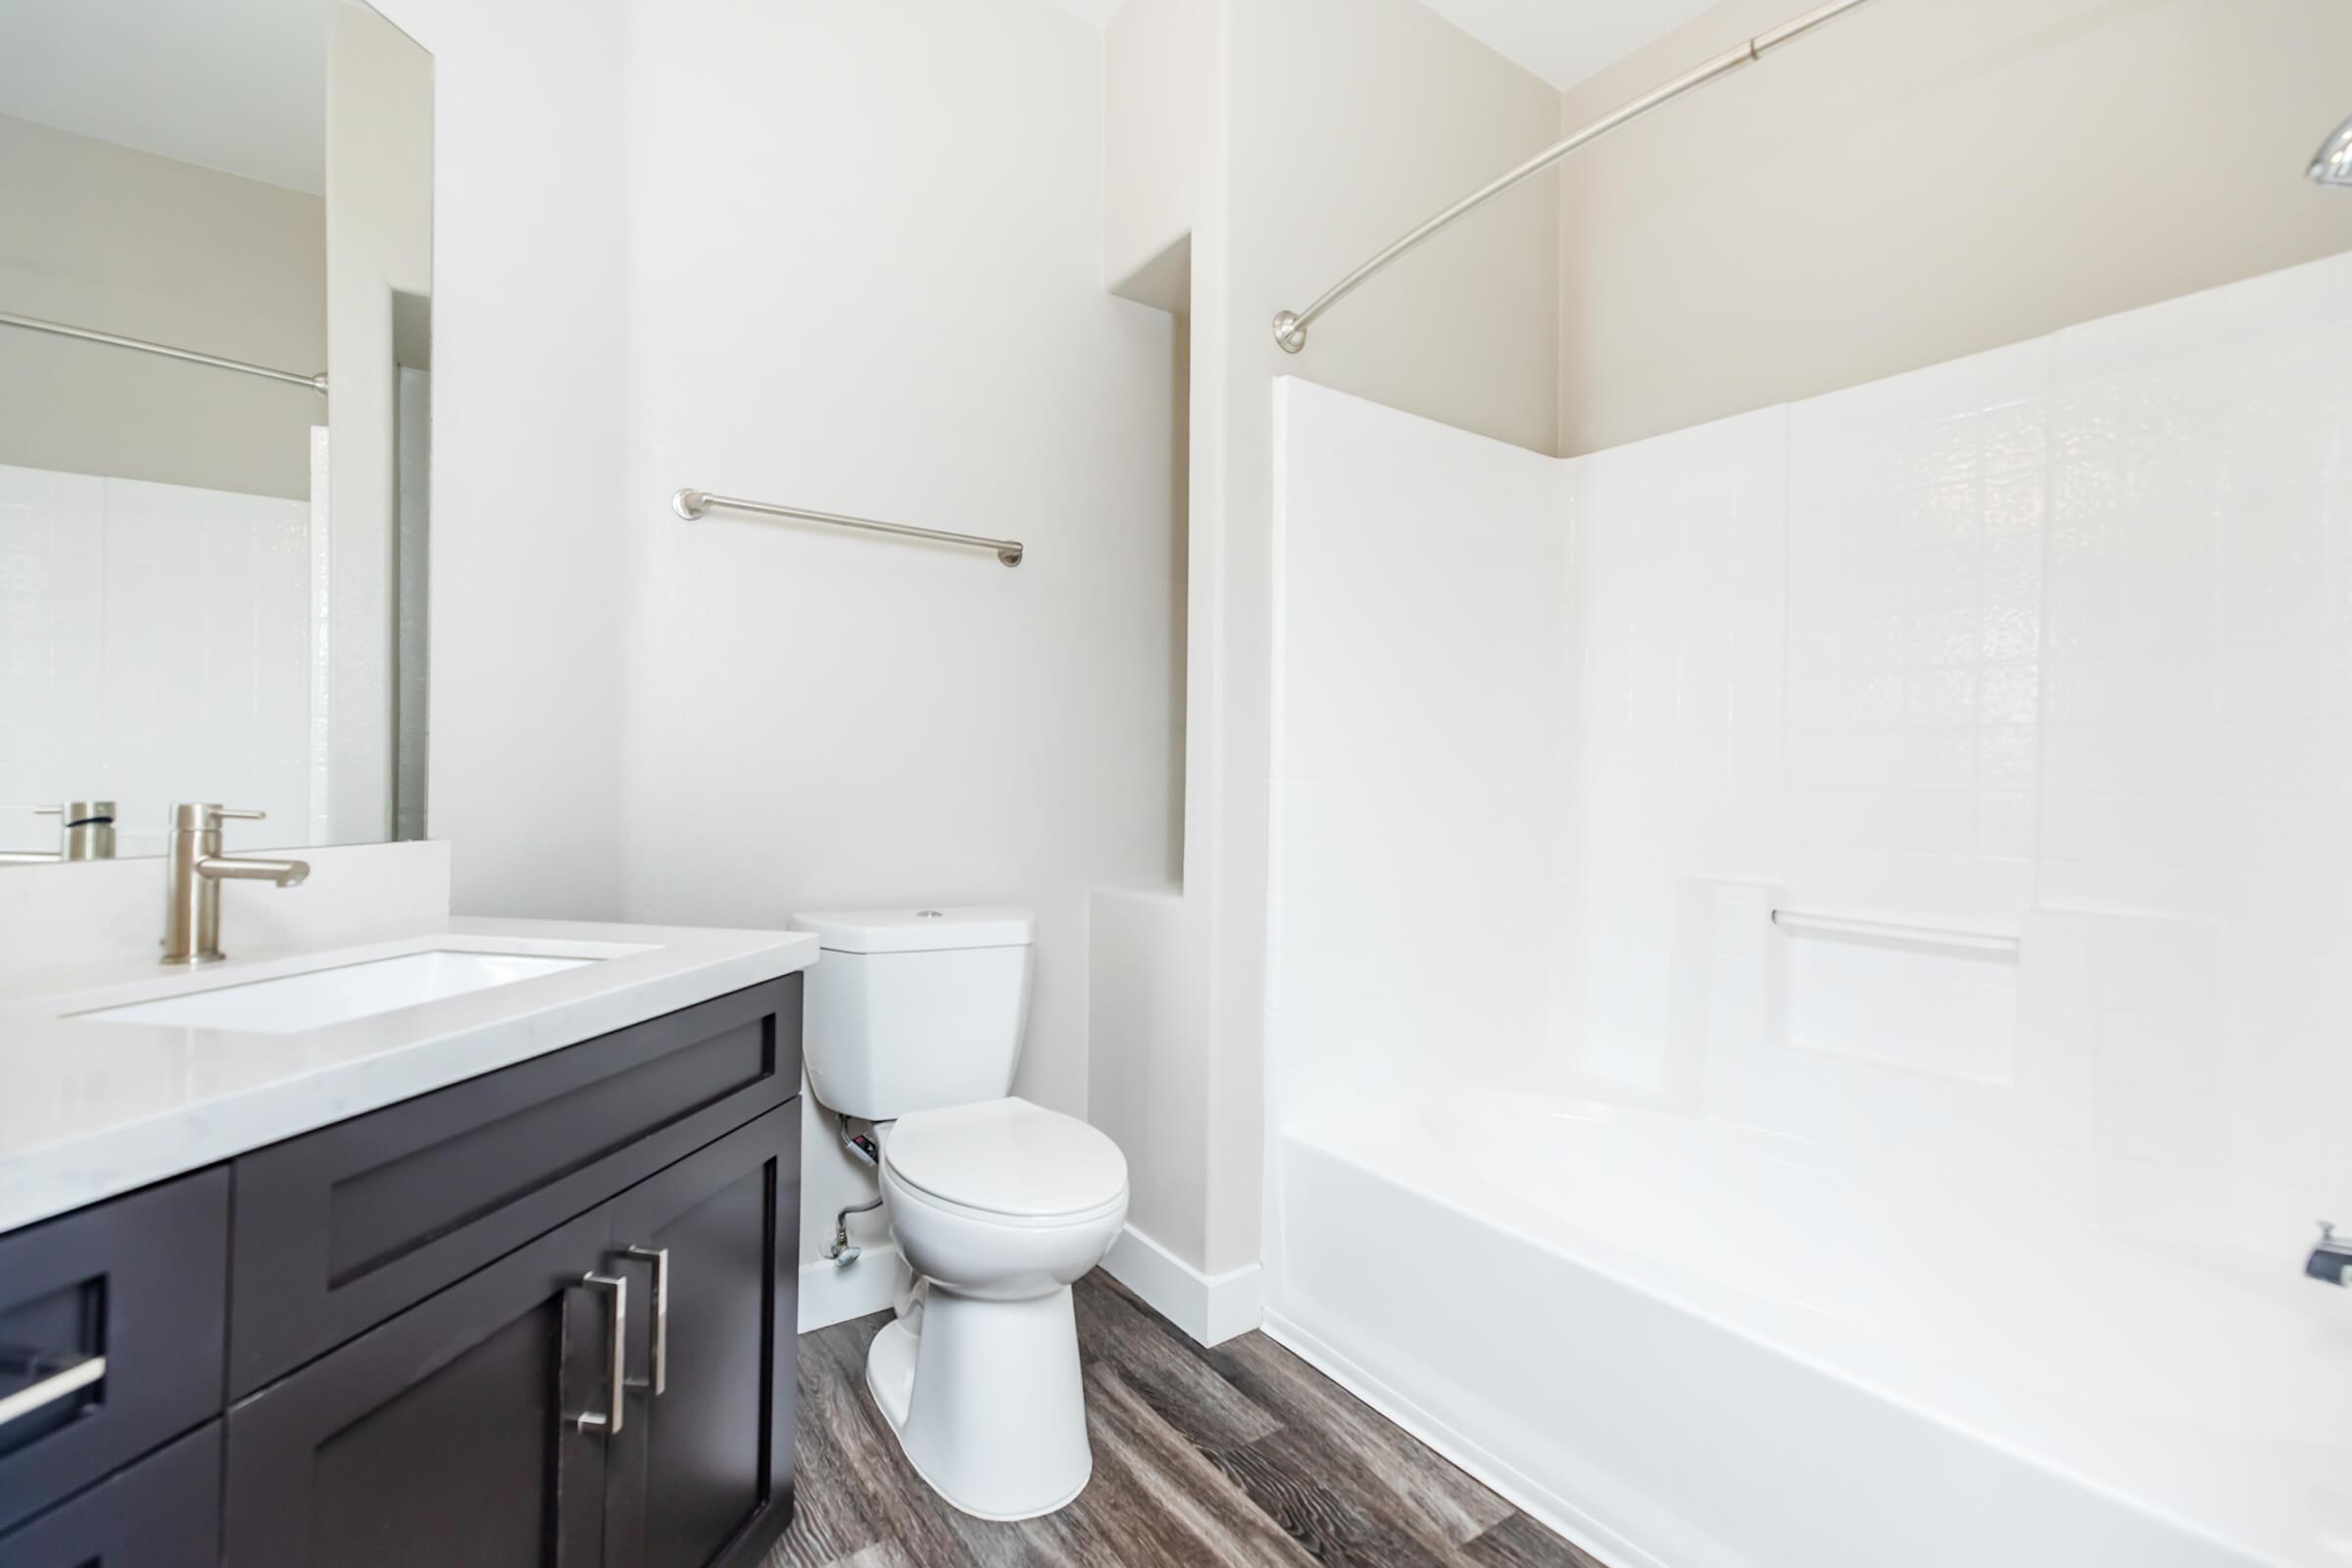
x=379, y=236
x=2048, y=641
x=528, y=300
x=1922, y=181
x=812, y=718
x=128, y=242
x=867, y=248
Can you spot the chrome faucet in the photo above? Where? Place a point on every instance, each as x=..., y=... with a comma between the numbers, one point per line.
x=2331, y=1259
x=193, y=873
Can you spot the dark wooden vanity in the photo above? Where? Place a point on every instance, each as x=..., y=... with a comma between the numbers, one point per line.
x=541, y=1316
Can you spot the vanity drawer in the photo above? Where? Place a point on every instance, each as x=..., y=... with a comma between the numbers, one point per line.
x=162, y=1512
x=340, y=1228
x=112, y=1322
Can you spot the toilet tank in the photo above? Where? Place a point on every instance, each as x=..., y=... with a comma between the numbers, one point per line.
x=912, y=1010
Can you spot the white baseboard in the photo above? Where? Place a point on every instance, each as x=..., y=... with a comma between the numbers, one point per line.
x=1530, y=1498
x=1211, y=1309
x=830, y=1296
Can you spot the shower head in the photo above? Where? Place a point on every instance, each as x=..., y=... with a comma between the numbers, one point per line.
x=2333, y=165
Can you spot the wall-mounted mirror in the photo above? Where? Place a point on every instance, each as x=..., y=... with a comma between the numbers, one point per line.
x=215, y=373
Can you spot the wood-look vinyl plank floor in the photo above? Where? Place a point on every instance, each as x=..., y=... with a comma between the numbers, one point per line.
x=1242, y=1455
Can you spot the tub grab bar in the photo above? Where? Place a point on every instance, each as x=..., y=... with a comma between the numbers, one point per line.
x=1971, y=938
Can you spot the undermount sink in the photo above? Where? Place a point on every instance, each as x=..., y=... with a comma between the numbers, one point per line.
x=324, y=996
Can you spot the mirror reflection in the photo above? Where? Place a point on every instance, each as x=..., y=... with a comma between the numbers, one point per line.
x=215, y=373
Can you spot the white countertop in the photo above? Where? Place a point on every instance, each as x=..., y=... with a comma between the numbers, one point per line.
x=89, y=1108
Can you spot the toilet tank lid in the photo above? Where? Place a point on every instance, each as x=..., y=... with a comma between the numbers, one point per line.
x=918, y=930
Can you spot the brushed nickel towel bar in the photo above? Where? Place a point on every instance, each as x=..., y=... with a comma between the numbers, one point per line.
x=1289, y=327
x=33, y=323
x=692, y=504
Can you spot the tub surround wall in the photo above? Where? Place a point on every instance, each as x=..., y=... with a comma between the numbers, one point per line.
x=2044, y=645
x=2041, y=642
x=1420, y=653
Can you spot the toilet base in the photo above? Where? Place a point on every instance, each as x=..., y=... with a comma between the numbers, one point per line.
x=986, y=1400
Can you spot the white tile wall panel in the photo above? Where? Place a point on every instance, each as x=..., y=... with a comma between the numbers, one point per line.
x=1420, y=573
x=52, y=642
x=1677, y=615
x=154, y=647
x=2056, y=639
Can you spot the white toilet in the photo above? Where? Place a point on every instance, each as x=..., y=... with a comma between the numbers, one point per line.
x=914, y=1020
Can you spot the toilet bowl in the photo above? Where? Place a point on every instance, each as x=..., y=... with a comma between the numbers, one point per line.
x=997, y=1208
x=914, y=1023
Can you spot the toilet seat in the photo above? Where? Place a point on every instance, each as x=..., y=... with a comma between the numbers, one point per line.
x=1007, y=1160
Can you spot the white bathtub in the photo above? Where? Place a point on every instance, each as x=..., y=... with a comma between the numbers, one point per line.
x=1692, y=1346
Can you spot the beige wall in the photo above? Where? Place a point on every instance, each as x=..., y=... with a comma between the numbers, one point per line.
x=1160, y=150
x=1924, y=179
x=121, y=242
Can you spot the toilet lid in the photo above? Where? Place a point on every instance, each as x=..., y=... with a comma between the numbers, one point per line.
x=1006, y=1156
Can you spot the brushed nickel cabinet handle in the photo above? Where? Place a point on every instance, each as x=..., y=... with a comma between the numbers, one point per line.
x=51, y=1389
x=661, y=1257
x=616, y=1372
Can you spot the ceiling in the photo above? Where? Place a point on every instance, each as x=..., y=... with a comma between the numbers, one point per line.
x=1564, y=41
x=237, y=85
x=240, y=85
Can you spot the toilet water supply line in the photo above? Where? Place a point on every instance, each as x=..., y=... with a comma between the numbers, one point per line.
x=842, y=1252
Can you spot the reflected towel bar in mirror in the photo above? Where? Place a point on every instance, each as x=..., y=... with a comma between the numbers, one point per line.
x=692, y=504
x=33, y=323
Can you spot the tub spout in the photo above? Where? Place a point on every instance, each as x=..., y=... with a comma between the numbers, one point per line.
x=2331, y=1259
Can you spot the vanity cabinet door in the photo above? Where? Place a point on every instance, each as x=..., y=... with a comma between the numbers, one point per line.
x=702, y=1473
x=448, y=1435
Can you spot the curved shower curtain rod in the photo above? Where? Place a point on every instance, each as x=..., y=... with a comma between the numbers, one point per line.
x=1289, y=327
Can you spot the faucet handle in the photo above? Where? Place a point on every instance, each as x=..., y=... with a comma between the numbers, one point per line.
x=197, y=817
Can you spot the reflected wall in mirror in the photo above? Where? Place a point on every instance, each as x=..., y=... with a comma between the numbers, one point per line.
x=215, y=372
